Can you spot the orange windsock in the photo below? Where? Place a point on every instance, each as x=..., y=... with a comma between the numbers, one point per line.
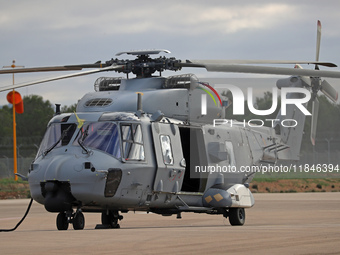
x=16, y=100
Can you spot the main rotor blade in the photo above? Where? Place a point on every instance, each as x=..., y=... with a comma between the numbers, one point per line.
x=52, y=68
x=249, y=61
x=228, y=68
x=318, y=40
x=109, y=68
x=315, y=113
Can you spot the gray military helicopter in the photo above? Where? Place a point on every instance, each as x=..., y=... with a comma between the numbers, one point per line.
x=152, y=143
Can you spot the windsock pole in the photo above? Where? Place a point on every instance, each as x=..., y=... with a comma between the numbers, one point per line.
x=13, y=101
x=15, y=160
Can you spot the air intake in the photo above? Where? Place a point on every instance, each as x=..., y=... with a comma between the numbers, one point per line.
x=107, y=83
x=180, y=81
x=98, y=102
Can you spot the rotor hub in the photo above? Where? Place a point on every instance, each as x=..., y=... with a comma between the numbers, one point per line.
x=144, y=66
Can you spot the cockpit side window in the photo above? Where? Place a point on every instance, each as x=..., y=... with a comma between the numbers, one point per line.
x=132, y=142
x=68, y=130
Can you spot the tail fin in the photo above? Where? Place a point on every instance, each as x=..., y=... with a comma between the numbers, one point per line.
x=289, y=126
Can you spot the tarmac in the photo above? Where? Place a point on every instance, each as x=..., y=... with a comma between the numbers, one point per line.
x=282, y=223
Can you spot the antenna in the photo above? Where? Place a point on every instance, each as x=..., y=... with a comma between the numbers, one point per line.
x=139, y=102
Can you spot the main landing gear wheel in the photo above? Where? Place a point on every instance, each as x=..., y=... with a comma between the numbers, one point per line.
x=111, y=218
x=237, y=216
x=62, y=221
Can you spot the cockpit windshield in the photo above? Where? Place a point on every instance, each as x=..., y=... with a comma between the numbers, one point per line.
x=56, y=135
x=102, y=136
x=122, y=141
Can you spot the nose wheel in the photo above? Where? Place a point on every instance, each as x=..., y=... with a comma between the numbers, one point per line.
x=78, y=221
x=65, y=218
x=62, y=221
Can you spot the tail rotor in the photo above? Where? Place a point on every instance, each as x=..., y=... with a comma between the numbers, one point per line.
x=315, y=84
x=318, y=85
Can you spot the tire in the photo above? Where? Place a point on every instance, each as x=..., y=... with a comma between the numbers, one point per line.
x=62, y=222
x=78, y=221
x=110, y=220
x=237, y=216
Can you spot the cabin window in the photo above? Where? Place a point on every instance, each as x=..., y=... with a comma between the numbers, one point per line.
x=230, y=150
x=132, y=142
x=168, y=158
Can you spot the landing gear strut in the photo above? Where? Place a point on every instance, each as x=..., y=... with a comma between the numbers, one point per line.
x=65, y=218
x=110, y=219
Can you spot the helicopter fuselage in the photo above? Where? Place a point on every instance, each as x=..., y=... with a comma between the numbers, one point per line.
x=130, y=163
x=155, y=153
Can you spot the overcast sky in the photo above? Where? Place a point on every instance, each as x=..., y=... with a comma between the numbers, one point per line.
x=49, y=33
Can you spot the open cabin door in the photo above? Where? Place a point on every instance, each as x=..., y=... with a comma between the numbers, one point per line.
x=169, y=156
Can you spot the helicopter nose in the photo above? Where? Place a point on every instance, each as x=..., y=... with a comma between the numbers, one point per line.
x=58, y=197
x=56, y=190
x=63, y=181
